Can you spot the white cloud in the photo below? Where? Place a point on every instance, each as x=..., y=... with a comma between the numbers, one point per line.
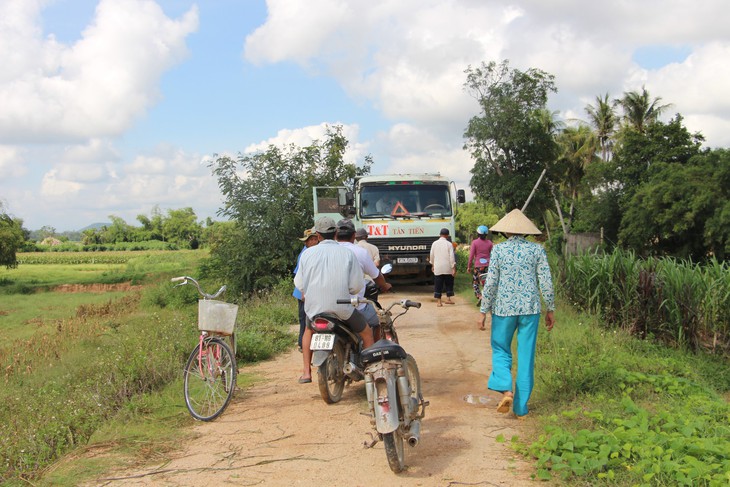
x=99, y=85
x=408, y=57
x=12, y=164
x=304, y=136
x=414, y=150
x=57, y=188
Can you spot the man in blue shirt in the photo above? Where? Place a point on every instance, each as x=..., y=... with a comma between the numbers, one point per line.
x=310, y=239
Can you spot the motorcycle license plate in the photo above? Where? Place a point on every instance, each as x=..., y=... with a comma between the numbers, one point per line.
x=322, y=341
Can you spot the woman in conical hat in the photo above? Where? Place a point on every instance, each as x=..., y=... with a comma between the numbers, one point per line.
x=518, y=274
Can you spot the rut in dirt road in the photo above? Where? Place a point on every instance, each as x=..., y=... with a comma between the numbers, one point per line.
x=279, y=432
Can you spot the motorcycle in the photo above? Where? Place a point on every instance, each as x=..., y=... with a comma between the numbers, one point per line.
x=393, y=389
x=336, y=349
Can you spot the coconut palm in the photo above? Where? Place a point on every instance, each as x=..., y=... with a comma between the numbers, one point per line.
x=640, y=110
x=578, y=149
x=603, y=118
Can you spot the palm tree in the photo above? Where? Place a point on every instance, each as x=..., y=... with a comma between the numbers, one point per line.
x=603, y=118
x=640, y=110
x=578, y=149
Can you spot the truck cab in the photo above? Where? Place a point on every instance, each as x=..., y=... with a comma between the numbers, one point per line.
x=402, y=213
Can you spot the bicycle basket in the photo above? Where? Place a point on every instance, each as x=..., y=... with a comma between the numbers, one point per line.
x=217, y=316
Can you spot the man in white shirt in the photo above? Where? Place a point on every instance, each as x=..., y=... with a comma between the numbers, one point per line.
x=328, y=272
x=346, y=238
x=361, y=236
x=443, y=265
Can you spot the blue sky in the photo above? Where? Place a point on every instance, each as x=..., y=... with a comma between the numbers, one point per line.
x=114, y=107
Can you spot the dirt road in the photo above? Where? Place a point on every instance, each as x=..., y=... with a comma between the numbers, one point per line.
x=280, y=432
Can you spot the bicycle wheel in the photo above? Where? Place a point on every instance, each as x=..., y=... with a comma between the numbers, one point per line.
x=331, y=375
x=209, y=379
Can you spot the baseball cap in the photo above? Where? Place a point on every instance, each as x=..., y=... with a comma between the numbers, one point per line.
x=325, y=225
x=345, y=226
x=361, y=233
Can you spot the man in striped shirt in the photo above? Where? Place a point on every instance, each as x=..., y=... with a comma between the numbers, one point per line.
x=328, y=272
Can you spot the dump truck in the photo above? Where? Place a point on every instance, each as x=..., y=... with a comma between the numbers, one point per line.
x=402, y=213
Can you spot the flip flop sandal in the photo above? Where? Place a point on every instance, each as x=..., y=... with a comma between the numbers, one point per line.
x=305, y=380
x=505, y=404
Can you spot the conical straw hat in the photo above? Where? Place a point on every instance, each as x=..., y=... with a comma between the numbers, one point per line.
x=517, y=223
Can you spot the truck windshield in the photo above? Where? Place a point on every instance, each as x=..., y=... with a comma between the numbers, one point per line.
x=402, y=200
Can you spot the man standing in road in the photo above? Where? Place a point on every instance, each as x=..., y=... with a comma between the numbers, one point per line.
x=361, y=235
x=443, y=264
x=328, y=272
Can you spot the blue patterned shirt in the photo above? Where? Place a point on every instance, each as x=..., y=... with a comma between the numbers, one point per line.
x=516, y=269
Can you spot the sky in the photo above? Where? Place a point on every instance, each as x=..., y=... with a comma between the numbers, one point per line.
x=117, y=107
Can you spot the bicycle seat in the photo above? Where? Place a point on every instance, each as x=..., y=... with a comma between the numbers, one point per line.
x=382, y=350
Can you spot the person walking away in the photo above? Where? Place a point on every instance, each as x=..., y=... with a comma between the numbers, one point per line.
x=517, y=269
x=480, y=251
x=310, y=239
x=328, y=272
x=346, y=237
x=361, y=236
x=443, y=264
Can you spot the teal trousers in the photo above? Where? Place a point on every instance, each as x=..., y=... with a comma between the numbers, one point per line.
x=503, y=331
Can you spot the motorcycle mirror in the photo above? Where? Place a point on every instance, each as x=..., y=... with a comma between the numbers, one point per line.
x=386, y=269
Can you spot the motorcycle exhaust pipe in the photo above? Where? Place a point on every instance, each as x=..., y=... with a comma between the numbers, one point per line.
x=414, y=433
x=352, y=370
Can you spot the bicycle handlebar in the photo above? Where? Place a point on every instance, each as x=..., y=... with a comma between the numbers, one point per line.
x=184, y=280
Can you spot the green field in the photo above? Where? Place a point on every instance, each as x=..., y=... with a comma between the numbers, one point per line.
x=92, y=353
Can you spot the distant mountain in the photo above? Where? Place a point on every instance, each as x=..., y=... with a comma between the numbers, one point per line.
x=95, y=226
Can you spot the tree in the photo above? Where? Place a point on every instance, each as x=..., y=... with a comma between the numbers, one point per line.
x=12, y=237
x=182, y=227
x=151, y=227
x=604, y=120
x=578, y=146
x=683, y=210
x=118, y=231
x=640, y=110
x=472, y=214
x=510, y=141
x=268, y=195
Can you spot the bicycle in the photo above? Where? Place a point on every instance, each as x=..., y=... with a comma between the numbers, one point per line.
x=209, y=376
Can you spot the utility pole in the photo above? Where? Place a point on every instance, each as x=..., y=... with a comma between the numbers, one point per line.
x=533, y=190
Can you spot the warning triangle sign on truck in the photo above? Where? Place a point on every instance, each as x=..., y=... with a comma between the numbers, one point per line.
x=399, y=210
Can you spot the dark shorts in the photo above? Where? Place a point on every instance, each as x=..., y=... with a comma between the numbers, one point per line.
x=356, y=322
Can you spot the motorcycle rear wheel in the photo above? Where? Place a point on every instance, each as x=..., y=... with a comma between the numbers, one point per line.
x=395, y=450
x=331, y=375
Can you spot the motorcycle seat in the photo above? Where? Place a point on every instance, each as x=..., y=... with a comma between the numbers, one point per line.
x=382, y=350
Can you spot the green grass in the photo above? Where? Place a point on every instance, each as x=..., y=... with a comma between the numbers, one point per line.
x=620, y=411
x=107, y=374
x=21, y=316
